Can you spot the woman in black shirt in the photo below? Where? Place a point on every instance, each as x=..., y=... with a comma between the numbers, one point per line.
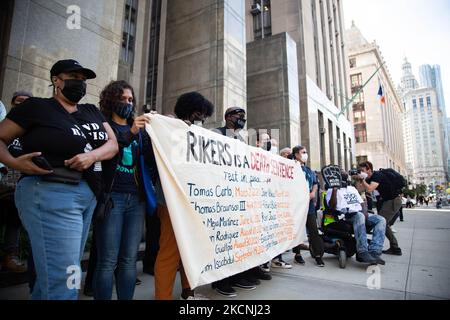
x=118, y=235
x=63, y=143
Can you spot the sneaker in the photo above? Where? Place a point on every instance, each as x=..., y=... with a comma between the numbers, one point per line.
x=196, y=296
x=393, y=251
x=260, y=274
x=138, y=281
x=278, y=263
x=393, y=230
x=265, y=267
x=377, y=257
x=365, y=257
x=225, y=289
x=244, y=284
x=319, y=262
x=299, y=259
x=13, y=264
x=252, y=279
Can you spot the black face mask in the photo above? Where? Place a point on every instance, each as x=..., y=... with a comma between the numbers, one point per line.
x=344, y=183
x=123, y=110
x=267, y=145
x=239, y=123
x=74, y=90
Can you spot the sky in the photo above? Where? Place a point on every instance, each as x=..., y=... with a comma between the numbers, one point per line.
x=416, y=29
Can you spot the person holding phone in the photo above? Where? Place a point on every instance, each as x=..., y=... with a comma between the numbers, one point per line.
x=56, y=206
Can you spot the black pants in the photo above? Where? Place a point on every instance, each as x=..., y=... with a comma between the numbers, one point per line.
x=92, y=260
x=152, y=233
x=399, y=214
x=315, y=241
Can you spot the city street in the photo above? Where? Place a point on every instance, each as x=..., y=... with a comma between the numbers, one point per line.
x=423, y=272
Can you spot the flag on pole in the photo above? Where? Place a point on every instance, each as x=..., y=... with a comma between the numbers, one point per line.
x=381, y=96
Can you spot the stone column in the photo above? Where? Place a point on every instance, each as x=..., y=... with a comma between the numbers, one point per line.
x=205, y=52
x=273, y=95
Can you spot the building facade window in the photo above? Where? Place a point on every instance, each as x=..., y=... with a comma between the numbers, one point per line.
x=352, y=62
x=414, y=104
x=421, y=104
x=339, y=146
x=356, y=82
x=331, y=141
x=322, y=139
x=359, y=117
x=129, y=32
x=316, y=43
x=360, y=133
x=152, y=72
x=361, y=159
x=262, y=19
x=346, y=167
x=429, y=103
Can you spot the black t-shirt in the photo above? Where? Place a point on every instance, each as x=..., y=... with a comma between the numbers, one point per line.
x=60, y=136
x=125, y=181
x=384, y=187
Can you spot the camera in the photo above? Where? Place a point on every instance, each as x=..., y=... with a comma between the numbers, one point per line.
x=354, y=172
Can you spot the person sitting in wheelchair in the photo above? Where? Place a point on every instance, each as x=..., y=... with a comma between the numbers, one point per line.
x=346, y=203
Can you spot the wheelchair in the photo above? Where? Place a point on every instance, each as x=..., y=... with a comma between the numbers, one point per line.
x=338, y=238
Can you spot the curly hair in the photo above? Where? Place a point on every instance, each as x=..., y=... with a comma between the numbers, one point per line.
x=191, y=102
x=111, y=95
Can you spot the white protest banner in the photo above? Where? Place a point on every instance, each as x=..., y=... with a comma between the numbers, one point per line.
x=232, y=206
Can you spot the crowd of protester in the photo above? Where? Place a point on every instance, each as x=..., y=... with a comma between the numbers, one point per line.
x=63, y=162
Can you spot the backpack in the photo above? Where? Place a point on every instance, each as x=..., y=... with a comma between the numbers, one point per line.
x=398, y=182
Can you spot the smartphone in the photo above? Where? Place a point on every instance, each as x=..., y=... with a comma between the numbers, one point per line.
x=42, y=163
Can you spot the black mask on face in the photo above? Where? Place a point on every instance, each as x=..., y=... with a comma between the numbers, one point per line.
x=239, y=123
x=267, y=145
x=123, y=110
x=344, y=180
x=74, y=90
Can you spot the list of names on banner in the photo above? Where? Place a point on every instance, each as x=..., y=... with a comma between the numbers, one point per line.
x=249, y=210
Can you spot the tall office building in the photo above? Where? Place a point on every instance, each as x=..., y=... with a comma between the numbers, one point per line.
x=425, y=132
x=297, y=74
x=378, y=126
x=430, y=77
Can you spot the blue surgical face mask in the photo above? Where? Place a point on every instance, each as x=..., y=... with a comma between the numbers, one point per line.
x=124, y=110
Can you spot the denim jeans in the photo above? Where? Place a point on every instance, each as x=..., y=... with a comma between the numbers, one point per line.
x=57, y=218
x=118, y=238
x=376, y=223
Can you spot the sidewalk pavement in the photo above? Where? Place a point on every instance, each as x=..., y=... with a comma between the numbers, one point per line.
x=422, y=272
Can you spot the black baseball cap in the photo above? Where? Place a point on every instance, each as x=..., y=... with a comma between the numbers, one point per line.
x=233, y=110
x=65, y=66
